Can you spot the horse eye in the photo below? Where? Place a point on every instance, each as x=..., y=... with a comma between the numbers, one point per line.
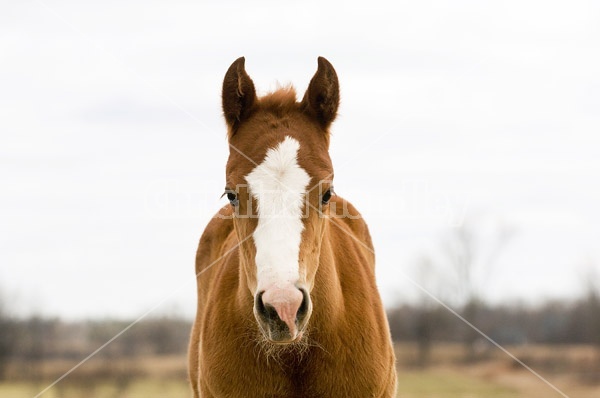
x=232, y=198
x=326, y=197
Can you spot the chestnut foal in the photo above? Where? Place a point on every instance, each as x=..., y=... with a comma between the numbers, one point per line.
x=287, y=300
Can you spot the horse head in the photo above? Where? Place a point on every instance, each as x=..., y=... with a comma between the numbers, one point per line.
x=279, y=185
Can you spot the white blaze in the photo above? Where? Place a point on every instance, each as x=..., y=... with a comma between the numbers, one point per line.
x=278, y=185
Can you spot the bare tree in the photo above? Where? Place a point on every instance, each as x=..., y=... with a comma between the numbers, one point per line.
x=472, y=254
x=592, y=307
x=430, y=317
x=8, y=336
x=425, y=323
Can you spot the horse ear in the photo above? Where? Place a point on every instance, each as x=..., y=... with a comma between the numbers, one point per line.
x=322, y=97
x=238, y=94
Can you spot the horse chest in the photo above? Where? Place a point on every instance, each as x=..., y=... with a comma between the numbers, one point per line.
x=315, y=376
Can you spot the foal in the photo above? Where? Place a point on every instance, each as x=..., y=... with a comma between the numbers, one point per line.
x=287, y=300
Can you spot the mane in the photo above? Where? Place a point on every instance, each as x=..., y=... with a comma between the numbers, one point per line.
x=280, y=101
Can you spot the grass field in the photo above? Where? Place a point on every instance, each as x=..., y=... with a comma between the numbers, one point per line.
x=412, y=384
x=494, y=376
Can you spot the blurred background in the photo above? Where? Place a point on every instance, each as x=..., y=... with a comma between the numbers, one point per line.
x=467, y=136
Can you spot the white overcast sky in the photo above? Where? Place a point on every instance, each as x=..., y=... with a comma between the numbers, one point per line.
x=112, y=144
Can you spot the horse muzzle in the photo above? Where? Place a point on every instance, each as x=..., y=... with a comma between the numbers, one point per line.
x=282, y=313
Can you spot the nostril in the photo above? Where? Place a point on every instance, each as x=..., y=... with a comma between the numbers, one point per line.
x=270, y=312
x=303, y=310
x=259, y=307
x=266, y=311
